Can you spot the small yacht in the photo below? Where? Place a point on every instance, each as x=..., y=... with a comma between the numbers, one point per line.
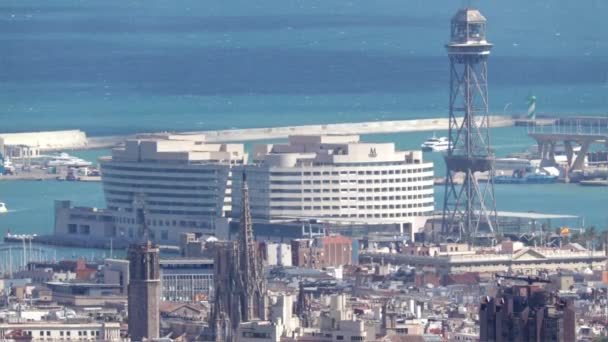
x=65, y=159
x=8, y=164
x=19, y=237
x=3, y=208
x=435, y=144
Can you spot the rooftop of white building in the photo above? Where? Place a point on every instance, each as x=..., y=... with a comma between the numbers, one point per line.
x=173, y=148
x=330, y=149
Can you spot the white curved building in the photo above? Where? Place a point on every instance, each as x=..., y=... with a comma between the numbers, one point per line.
x=339, y=180
x=184, y=185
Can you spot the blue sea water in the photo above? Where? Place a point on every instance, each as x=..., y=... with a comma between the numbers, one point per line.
x=112, y=67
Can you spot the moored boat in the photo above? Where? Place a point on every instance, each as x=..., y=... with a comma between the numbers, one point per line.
x=522, y=177
x=594, y=182
x=64, y=159
x=435, y=144
x=18, y=237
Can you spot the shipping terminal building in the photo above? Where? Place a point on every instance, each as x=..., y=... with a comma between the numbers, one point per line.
x=186, y=185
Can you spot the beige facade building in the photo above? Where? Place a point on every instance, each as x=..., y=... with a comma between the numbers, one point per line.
x=62, y=331
x=508, y=256
x=340, y=180
x=259, y=331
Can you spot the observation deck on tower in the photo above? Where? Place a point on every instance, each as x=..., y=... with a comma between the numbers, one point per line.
x=468, y=36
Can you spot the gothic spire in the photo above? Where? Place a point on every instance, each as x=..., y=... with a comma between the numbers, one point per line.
x=253, y=284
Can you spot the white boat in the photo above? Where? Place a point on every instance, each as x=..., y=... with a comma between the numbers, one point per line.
x=3, y=208
x=19, y=237
x=8, y=164
x=435, y=144
x=65, y=159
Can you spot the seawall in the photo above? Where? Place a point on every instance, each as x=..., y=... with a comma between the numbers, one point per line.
x=77, y=139
x=372, y=127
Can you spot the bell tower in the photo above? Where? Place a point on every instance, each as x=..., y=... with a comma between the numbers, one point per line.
x=144, y=283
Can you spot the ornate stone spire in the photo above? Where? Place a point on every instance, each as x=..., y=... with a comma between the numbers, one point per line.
x=252, y=280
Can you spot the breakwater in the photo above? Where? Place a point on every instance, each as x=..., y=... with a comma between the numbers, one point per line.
x=252, y=134
x=371, y=127
x=77, y=139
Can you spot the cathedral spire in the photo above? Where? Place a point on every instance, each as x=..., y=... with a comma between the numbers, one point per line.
x=240, y=285
x=253, y=284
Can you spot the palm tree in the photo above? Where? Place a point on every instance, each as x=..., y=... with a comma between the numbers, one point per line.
x=604, y=239
x=590, y=235
x=544, y=233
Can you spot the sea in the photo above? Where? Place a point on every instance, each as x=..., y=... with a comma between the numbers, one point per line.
x=117, y=67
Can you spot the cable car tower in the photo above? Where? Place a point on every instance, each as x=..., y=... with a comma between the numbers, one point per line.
x=469, y=210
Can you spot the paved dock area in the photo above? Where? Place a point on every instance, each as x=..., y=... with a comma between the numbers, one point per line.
x=38, y=174
x=33, y=174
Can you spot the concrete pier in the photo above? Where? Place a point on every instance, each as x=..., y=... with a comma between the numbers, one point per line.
x=583, y=131
x=547, y=143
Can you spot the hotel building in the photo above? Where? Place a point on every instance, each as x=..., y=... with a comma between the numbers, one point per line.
x=338, y=180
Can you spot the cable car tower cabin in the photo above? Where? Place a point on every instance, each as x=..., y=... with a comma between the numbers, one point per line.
x=469, y=211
